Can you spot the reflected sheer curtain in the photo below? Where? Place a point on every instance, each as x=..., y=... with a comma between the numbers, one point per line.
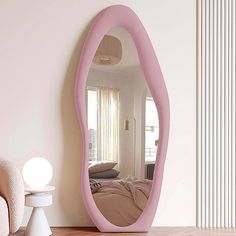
x=108, y=124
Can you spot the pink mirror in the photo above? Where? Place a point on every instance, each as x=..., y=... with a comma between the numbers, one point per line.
x=123, y=110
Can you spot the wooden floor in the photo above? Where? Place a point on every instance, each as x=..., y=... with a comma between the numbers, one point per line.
x=158, y=231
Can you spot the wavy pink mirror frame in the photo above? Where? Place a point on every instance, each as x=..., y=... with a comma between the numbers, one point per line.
x=110, y=17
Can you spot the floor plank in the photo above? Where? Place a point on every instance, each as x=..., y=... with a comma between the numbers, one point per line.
x=156, y=231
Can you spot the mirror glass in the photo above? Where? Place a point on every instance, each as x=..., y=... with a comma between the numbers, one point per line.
x=123, y=130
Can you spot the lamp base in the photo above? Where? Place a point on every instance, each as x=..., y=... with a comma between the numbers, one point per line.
x=38, y=224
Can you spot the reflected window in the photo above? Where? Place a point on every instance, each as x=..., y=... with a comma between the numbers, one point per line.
x=92, y=109
x=151, y=130
x=103, y=123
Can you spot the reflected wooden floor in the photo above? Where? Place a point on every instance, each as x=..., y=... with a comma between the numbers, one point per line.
x=157, y=231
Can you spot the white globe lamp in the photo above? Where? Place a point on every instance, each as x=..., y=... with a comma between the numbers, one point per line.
x=37, y=174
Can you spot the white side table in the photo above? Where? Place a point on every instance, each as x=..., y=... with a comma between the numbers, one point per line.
x=38, y=198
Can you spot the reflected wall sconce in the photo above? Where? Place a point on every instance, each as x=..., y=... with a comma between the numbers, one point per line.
x=126, y=125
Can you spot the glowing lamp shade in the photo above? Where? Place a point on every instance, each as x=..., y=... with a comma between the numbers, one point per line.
x=37, y=172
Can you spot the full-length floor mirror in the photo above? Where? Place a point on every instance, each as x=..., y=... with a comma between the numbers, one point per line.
x=123, y=110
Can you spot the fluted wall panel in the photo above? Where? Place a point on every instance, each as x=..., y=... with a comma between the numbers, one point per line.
x=216, y=114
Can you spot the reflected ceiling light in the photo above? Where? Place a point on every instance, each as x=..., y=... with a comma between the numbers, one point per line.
x=109, y=51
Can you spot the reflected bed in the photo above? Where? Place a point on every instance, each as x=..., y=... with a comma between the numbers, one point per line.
x=121, y=201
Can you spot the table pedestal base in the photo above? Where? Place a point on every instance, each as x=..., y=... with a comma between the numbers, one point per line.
x=38, y=224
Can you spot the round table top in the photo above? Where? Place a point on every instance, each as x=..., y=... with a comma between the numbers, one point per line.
x=45, y=189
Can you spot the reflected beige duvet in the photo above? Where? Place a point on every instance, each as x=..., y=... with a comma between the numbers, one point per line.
x=122, y=202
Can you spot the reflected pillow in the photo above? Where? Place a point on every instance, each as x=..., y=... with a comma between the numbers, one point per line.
x=101, y=166
x=107, y=174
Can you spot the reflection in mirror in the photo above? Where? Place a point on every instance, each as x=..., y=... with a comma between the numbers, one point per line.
x=123, y=130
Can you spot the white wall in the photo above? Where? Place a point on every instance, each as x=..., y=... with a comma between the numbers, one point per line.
x=40, y=43
x=140, y=94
